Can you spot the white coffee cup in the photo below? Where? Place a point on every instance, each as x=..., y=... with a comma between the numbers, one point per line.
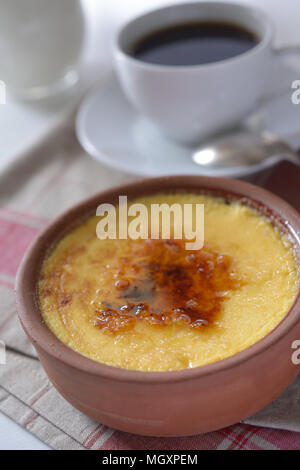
x=192, y=102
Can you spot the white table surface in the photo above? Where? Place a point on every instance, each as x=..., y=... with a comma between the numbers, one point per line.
x=23, y=123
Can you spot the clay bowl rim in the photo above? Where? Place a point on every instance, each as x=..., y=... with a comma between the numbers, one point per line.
x=26, y=281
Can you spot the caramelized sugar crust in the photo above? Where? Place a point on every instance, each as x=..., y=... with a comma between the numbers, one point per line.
x=162, y=283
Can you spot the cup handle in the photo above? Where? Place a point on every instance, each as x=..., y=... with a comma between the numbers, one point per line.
x=269, y=97
x=293, y=49
x=281, y=52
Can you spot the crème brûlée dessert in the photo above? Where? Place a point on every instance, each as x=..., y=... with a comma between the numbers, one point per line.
x=152, y=305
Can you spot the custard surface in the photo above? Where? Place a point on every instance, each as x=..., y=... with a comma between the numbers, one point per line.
x=135, y=303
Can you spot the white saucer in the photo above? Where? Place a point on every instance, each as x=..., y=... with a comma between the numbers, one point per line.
x=111, y=131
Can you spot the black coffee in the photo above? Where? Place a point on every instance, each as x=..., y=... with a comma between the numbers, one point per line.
x=194, y=44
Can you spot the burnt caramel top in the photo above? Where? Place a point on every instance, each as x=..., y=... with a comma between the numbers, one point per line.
x=163, y=284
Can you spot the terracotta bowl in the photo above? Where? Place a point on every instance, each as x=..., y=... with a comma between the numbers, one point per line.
x=174, y=403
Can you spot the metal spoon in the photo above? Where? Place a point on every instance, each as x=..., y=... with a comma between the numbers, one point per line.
x=245, y=149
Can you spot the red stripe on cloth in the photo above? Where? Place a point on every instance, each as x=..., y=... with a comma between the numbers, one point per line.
x=248, y=436
x=96, y=437
x=238, y=435
x=40, y=395
x=232, y=436
x=90, y=435
x=25, y=215
x=33, y=418
x=14, y=240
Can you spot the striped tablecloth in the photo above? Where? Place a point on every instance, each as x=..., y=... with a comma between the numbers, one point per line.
x=34, y=188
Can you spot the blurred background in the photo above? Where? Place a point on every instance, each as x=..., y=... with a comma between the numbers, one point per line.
x=22, y=121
